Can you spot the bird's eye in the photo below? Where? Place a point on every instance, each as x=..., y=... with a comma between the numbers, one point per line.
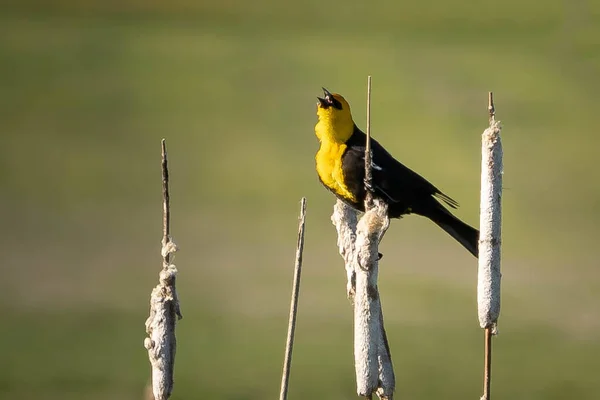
x=334, y=102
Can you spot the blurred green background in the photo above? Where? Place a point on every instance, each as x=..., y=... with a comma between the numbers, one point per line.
x=88, y=89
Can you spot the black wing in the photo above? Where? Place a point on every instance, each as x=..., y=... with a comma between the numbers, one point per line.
x=403, y=188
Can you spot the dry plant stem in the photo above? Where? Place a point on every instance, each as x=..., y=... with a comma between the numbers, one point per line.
x=489, y=275
x=358, y=245
x=488, y=285
x=371, y=353
x=294, y=304
x=367, y=314
x=345, y=220
x=166, y=199
x=378, y=225
x=164, y=307
x=368, y=154
x=487, y=369
x=370, y=337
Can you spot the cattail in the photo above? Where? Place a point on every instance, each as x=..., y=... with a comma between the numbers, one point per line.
x=358, y=243
x=164, y=306
x=488, y=285
x=488, y=278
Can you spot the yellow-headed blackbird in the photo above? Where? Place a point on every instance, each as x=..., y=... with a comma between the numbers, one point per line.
x=341, y=168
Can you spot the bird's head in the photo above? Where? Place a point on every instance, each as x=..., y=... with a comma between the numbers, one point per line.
x=334, y=115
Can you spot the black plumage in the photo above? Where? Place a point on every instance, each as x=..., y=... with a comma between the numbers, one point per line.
x=405, y=191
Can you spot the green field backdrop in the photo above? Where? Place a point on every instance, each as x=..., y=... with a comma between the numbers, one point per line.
x=88, y=89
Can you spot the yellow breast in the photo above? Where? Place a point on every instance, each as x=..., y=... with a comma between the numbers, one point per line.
x=329, y=168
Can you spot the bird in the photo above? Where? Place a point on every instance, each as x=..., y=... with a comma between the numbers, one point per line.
x=340, y=165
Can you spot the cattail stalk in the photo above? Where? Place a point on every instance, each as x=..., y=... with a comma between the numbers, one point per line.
x=289, y=346
x=164, y=306
x=358, y=243
x=488, y=282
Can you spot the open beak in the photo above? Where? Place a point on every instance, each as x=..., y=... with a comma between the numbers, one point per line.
x=327, y=101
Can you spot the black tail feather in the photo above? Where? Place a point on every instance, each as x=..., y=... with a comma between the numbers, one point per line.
x=463, y=233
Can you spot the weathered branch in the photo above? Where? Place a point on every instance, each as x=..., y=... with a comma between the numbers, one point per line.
x=287, y=364
x=164, y=306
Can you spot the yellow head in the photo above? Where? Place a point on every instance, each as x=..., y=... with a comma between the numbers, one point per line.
x=335, y=119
